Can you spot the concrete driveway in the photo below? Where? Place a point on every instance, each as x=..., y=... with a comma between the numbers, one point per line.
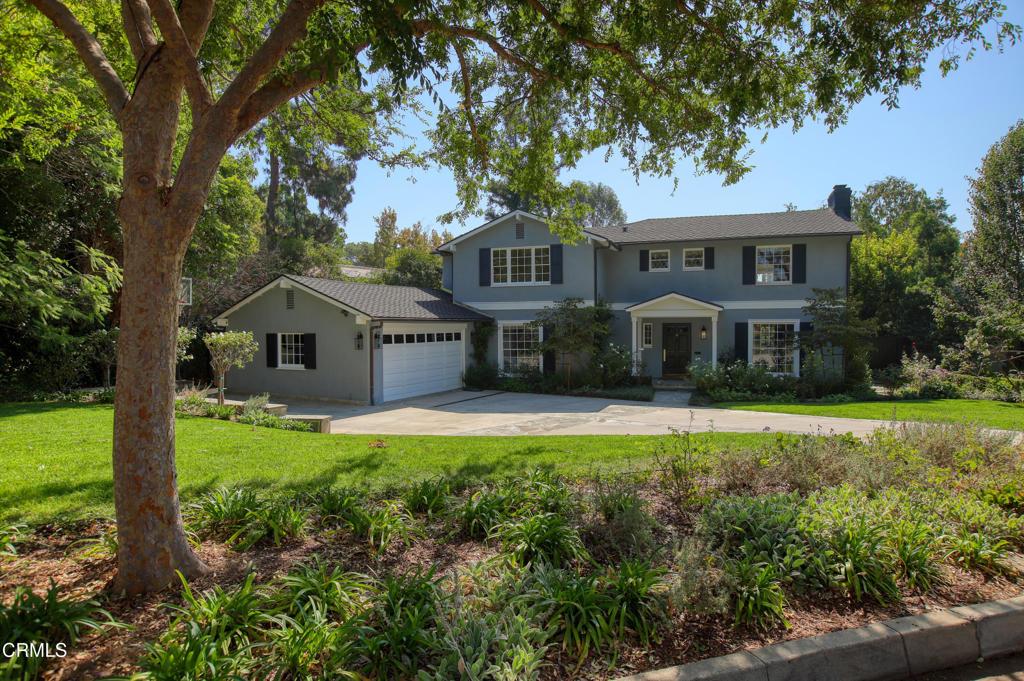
x=462, y=412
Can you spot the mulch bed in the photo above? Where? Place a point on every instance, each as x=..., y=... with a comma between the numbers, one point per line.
x=51, y=554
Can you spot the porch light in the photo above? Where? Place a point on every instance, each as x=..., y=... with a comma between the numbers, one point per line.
x=703, y=332
x=359, y=340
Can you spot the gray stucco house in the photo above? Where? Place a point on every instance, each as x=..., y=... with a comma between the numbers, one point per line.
x=682, y=290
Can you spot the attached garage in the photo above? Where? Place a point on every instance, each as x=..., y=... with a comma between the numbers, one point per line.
x=358, y=342
x=419, y=359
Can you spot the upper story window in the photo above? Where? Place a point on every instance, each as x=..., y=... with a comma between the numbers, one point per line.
x=660, y=260
x=290, y=351
x=774, y=265
x=521, y=266
x=693, y=258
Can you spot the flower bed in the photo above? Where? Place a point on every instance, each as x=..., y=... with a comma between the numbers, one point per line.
x=696, y=552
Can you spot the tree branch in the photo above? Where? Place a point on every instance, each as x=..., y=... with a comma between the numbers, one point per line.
x=273, y=94
x=138, y=27
x=290, y=28
x=195, y=18
x=89, y=51
x=422, y=26
x=467, y=98
x=181, y=49
x=612, y=48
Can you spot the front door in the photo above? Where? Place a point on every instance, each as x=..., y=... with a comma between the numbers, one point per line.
x=675, y=349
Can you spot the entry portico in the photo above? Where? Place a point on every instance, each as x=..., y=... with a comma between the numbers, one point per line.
x=672, y=331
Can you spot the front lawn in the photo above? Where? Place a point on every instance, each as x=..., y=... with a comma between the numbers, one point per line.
x=1005, y=415
x=56, y=458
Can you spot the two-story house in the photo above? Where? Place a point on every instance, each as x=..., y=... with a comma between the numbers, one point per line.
x=682, y=290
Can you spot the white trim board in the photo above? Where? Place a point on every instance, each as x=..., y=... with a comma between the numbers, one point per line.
x=734, y=305
x=285, y=281
x=450, y=245
x=515, y=305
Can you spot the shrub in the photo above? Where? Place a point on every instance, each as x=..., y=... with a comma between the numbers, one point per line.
x=864, y=561
x=481, y=376
x=242, y=519
x=316, y=586
x=484, y=511
x=577, y=609
x=191, y=401
x=917, y=552
x=267, y=420
x=397, y=633
x=738, y=380
x=272, y=521
x=221, y=512
x=10, y=537
x=336, y=505
x=381, y=525
x=758, y=598
x=922, y=378
x=428, y=496
x=627, y=530
x=977, y=551
x=48, y=618
x=638, y=606
x=699, y=583
x=537, y=492
x=541, y=537
x=682, y=462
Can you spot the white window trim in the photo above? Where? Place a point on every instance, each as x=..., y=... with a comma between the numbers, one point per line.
x=501, y=340
x=774, y=283
x=668, y=260
x=695, y=269
x=280, y=354
x=533, y=267
x=796, y=343
x=647, y=326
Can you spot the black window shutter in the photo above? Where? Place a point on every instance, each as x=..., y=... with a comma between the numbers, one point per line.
x=548, y=365
x=709, y=257
x=645, y=260
x=799, y=263
x=556, y=263
x=485, y=267
x=740, y=343
x=748, y=265
x=309, y=350
x=272, y=350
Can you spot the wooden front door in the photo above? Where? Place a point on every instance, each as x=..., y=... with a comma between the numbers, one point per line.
x=675, y=349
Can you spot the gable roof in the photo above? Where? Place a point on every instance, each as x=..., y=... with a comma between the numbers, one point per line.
x=447, y=246
x=378, y=301
x=679, y=298
x=819, y=222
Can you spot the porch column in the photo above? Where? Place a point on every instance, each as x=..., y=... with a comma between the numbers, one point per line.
x=634, y=322
x=714, y=341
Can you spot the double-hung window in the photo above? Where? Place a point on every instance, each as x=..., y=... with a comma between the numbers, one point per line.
x=774, y=265
x=660, y=261
x=647, y=333
x=773, y=346
x=520, y=348
x=693, y=258
x=521, y=266
x=290, y=354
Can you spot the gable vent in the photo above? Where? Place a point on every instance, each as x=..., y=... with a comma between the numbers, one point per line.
x=289, y=299
x=520, y=230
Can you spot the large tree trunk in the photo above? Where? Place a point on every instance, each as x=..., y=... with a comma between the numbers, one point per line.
x=151, y=538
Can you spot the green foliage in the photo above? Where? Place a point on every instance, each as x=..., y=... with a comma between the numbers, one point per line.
x=759, y=600
x=229, y=349
x=540, y=538
x=430, y=496
x=682, y=462
x=243, y=520
x=317, y=586
x=10, y=537
x=627, y=530
x=636, y=589
x=570, y=329
x=837, y=329
x=49, y=618
x=481, y=376
x=398, y=631
x=410, y=267
x=737, y=380
x=577, y=608
x=381, y=525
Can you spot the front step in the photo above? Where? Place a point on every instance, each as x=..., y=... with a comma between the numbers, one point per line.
x=672, y=384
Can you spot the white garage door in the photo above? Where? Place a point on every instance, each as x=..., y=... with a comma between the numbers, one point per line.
x=421, y=359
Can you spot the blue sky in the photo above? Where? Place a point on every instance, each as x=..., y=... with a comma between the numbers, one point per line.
x=935, y=139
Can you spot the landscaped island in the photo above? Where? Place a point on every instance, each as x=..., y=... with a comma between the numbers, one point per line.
x=520, y=558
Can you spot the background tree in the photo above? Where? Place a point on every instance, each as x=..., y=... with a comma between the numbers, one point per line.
x=570, y=329
x=411, y=267
x=839, y=335
x=102, y=344
x=984, y=304
x=596, y=204
x=385, y=239
x=229, y=349
x=908, y=252
x=602, y=202
x=654, y=81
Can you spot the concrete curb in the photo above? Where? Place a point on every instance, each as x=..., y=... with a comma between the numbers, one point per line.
x=885, y=651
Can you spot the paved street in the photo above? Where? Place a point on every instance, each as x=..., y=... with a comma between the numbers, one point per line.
x=1002, y=669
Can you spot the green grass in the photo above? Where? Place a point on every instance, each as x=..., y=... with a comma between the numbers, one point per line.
x=56, y=458
x=1006, y=415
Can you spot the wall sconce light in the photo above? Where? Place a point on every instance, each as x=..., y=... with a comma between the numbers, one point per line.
x=376, y=340
x=359, y=340
x=703, y=332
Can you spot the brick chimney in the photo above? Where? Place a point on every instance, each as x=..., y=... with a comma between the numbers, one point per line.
x=839, y=201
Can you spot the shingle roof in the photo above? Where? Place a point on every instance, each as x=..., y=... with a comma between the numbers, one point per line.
x=380, y=301
x=820, y=222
